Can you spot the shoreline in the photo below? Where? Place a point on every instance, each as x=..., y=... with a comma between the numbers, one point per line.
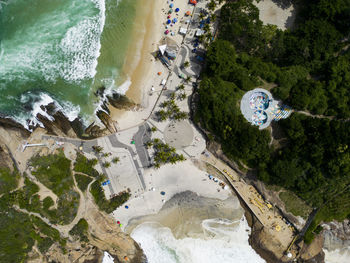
x=138, y=67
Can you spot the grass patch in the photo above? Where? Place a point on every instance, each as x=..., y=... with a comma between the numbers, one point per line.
x=85, y=165
x=294, y=204
x=8, y=180
x=107, y=205
x=80, y=230
x=82, y=181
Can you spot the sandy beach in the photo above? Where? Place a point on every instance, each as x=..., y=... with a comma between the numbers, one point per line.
x=171, y=180
x=140, y=65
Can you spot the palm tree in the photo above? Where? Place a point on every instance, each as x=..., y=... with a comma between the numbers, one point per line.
x=106, y=164
x=208, y=36
x=186, y=64
x=201, y=38
x=188, y=79
x=115, y=160
x=148, y=144
x=206, y=28
x=153, y=129
x=212, y=5
x=181, y=87
x=213, y=17
x=201, y=16
x=97, y=148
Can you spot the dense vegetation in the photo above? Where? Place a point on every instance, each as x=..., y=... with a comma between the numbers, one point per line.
x=8, y=180
x=309, y=69
x=82, y=181
x=19, y=232
x=85, y=165
x=54, y=172
x=107, y=205
x=80, y=230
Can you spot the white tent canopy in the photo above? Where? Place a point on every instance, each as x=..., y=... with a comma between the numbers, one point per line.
x=183, y=30
x=162, y=49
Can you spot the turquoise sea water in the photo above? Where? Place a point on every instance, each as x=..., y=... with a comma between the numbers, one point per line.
x=61, y=51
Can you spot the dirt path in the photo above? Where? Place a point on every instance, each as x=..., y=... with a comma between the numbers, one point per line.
x=320, y=116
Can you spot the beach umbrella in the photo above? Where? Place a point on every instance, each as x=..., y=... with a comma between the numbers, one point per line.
x=118, y=222
x=160, y=73
x=162, y=193
x=188, y=13
x=126, y=207
x=166, y=32
x=175, y=20
x=170, y=11
x=171, y=5
x=169, y=21
x=169, y=16
x=177, y=9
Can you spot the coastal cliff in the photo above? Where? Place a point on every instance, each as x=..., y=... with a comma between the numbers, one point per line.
x=104, y=234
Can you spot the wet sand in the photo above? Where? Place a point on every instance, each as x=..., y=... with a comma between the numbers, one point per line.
x=185, y=212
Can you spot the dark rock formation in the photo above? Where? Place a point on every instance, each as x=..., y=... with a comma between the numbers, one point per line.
x=107, y=121
x=121, y=101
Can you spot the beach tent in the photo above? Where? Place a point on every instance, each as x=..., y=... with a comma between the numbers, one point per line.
x=169, y=21
x=193, y=2
x=183, y=30
x=162, y=49
x=177, y=9
x=199, y=32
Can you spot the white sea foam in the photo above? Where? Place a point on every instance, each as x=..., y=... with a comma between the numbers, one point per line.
x=337, y=255
x=81, y=46
x=107, y=258
x=110, y=87
x=67, y=108
x=122, y=89
x=64, y=43
x=224, y=241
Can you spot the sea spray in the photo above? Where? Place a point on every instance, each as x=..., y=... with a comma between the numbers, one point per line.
x=223, y=241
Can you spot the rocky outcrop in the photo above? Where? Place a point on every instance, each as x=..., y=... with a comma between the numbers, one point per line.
x=5, y=157
x=336, y=234
x=119, y=101
x=107, y=121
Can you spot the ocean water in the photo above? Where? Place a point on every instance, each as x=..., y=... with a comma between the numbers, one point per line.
x=61, y=51
x=223, y=241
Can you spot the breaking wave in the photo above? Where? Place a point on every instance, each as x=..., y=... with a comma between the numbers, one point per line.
x=223, y=241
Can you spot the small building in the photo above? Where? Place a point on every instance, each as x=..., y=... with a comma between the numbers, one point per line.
x=183, y=31
x=260, y=108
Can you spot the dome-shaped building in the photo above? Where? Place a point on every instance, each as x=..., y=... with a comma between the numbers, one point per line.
x=259, y=108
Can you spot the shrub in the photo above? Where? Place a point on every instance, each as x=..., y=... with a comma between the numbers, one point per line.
x=82, y=181
x=8, y=180
x=85, y=165
x=80, y=230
